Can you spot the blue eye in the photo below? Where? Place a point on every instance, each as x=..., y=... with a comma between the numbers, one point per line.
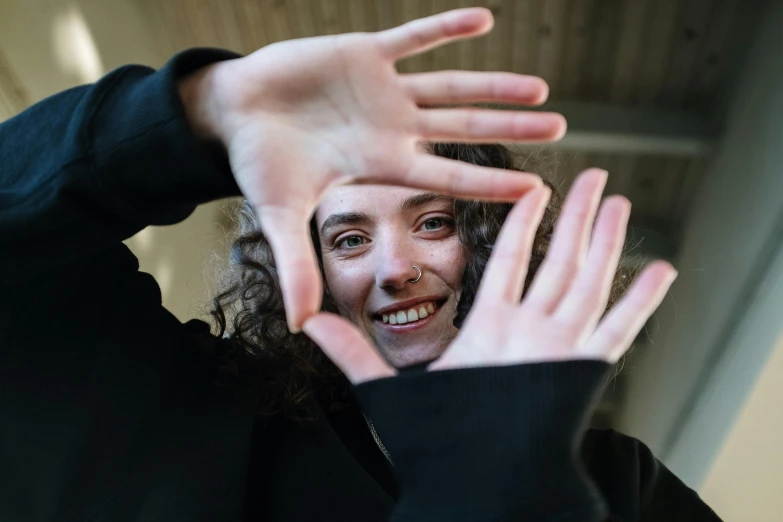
x=433, y=224
x=350, y=242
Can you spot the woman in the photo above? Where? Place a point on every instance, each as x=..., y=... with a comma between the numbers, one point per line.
x=107, y=412
x=367, y=238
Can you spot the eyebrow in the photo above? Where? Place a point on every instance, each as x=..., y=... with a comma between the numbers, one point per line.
x=337, y=220
x=355, y=218
x=419, y=200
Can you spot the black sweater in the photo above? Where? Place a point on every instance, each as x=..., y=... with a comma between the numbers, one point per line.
x=107, y=413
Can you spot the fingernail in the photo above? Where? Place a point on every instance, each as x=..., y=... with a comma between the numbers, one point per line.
x=544, y=126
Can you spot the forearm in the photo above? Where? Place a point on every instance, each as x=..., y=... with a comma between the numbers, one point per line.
x=89, y=167
x=490, y=444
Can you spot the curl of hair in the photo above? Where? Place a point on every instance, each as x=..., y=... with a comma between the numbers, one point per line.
x=287, y=374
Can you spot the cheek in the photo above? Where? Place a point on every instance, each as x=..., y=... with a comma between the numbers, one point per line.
x=348, y=286
x=451, y=261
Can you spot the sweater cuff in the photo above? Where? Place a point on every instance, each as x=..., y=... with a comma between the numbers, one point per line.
x=492, y=443
x=142, y=146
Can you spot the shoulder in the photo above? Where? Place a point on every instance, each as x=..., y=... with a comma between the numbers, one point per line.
x=619, y=464
x=636, y=485
x=603, y=444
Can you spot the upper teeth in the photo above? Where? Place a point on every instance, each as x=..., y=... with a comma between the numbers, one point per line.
x=420, y=311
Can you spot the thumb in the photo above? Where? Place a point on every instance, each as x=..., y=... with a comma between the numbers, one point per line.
x=296, y=262
x=342, y=342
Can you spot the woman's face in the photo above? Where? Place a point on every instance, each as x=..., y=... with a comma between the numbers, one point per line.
x=371, y=237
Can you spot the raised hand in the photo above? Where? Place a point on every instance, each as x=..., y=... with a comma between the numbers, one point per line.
x=559, y=317
x=301, y=116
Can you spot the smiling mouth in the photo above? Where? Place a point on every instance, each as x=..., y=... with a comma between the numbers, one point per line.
x=412, y=314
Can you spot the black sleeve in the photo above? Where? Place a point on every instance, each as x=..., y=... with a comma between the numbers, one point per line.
x=89, y=167
x=105, y=402
x=490, y=444
x=637, y=485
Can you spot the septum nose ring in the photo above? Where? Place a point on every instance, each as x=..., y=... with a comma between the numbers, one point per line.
x=419, y=271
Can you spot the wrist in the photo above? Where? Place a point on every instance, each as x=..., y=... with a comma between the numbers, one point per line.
x=199, y=92
x=499, y=439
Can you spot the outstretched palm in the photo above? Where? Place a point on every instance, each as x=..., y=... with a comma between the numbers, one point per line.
x=300, y=116
x=559, y=317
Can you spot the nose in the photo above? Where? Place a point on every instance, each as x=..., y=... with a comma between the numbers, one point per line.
x=395, y=266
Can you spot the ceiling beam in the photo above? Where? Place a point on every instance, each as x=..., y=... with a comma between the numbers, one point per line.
x=629, y=130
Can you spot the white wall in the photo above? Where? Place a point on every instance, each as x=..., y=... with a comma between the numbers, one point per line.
x=52, y=45
x=723, y=317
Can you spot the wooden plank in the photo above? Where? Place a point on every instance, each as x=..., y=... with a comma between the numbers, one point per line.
x=386, y=14
x=428, y=59
x=447, y=56
x=524, y=41
x=251, y=20
x=621, y=175
x=466, y=48
x=180, y=24
x=329, y=16
x=476, y=58
x=551, y=38
x=658, y=49
x=573, y=71
x=225, y=24
x=655, y=183
x=629, y=49
x=689, y=41
x=494, y=50
x=668, y=186
x=607, y=23
x=276, y=21
x=304, y=18
x=729, y=28
x=502, y=38
x=371, y=15
x=406, y=11
x=692, y=176
x=201, y=24
x=156, y=14
x=355, y=11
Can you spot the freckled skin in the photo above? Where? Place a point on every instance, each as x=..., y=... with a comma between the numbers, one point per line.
x=368, y=265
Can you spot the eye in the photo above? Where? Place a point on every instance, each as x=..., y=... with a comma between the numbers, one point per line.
x=433, y=224
x=349, y=242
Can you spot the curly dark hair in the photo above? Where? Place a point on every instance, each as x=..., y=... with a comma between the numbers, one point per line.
x=288, y=372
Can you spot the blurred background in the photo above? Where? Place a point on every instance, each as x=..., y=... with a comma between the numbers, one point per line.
x=681, y=101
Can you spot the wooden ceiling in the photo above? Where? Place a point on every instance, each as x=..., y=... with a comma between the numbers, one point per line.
x=664, y=54
x=667, y=53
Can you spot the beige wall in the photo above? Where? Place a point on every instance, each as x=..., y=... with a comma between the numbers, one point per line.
x=746, y=481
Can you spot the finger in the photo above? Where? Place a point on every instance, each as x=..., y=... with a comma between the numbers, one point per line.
x=507, y=267
x=468, y=87
x=345, y=346
x=295, y=259
x=424, y=34
x=468, y=125
x=626, y=319
x=569, y=242
x=462, y=179
x=586, y=300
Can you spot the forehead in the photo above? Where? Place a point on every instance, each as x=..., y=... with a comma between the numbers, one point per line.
x=366, y=199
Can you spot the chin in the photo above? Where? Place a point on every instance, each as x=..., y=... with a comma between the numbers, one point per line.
x=402, y=357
